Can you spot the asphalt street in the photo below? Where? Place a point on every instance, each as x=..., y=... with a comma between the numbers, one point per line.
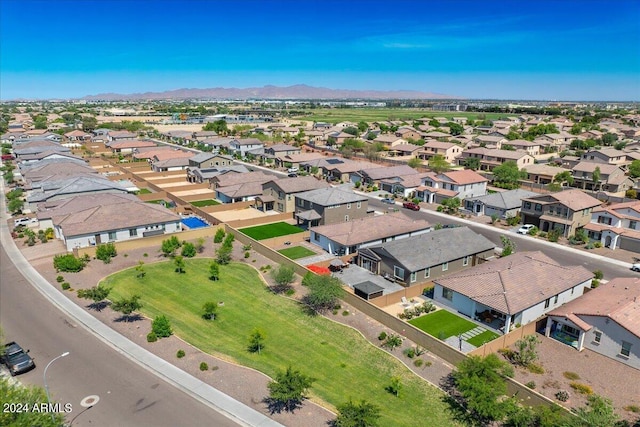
x=129, y=395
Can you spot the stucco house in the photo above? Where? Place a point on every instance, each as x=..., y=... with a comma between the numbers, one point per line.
x=331, y=205
x=503, y=204
x=616, y=226
x=605, y=320
x=514, y=290
x=612, y=178
x=490, y=158
x=448, y=150
x=461, y=183
x=244, y=145
x=279, y=194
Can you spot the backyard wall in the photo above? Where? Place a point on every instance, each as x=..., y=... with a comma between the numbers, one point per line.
x=241, y=223
x=396, y=297
x=505, y=340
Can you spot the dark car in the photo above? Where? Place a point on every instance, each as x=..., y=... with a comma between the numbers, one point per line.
x=388, y=200
x=16, y=359
x=411, y=205
x=451, y=226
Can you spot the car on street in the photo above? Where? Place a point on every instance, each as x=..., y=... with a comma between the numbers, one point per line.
x=411, y=205
x=388, y=200
x=635, y=267
x=525, y=229
x=16, y=359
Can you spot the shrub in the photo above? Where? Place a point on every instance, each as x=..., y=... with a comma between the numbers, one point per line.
x=598, y=274
x=219, y=236
x=68, y=263
x=534, y=231
x=59, y=279
x=420, y=350
x=382, y=336
x=513, y=220
x=345, y=312
x=554, y=235
x=246, y=247
x=105, y=252
x=204, y=366
x=595, y=283
x=597, y=244
x=180, y=354
x=247, y=254
x=145, y=254
x=418, y=363
x=535, y=368
x=632, y=408
x=409, y=352
x=571, y=375
x=188, y=250
x=507, y=353
x=290, y=292
x=581, y=388
x=562, y=395
x=161, y=326
x=531, y=385
x=152, y=337
x=66, y=286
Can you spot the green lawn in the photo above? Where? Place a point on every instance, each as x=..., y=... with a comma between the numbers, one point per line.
x=203, y=203
x=442, y=322
x=482, y=338
x=344, y=364
x=297, y=252
x=144, y=191
x=157, y=202
x=333, y=115
x=261, y=232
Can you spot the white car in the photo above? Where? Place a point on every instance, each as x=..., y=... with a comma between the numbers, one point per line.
x=635, y=267
x=525, y=229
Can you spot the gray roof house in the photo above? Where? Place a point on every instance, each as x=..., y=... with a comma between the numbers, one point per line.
x=75, y=186
x=329, y=206
x=504, y=204
x=423, y=258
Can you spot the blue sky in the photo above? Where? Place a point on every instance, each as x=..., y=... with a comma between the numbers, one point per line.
x=549, y=50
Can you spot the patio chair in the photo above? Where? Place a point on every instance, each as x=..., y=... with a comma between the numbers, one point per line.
x=404, y=302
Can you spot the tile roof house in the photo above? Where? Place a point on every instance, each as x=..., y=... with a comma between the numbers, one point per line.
x=352, y=236
x=503, y=204
x=565, y=210
x=605, y=320
x=461, y=183
x=282, y=149
x=172, y=164
x=70, y=187
x=242, y=192
x=490, y=158
x=517, y=289
x=425, y=257
x=77, y=135
x=609, y=156
x=616, y=226
x=120, y=135
x=331, y=205
x=128, y=145
x=244, y=145
x=448, y=150
x=56, y=170
x=612, y=178
x=279, y=194
x=205, y=175
x=540, y=173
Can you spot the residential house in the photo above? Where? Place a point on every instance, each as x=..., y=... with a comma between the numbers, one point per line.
x=503, y=204
x=490, y=141
x=541, y=173
x=448, y=150
x=295, y=160
x=461, y=183
x=605, y=320
x=55, y=169
x=566, y=210
x=389, y=140
x=490, y=158
x=616, y=226
x=353, y=236
x=331, y=205
x=282, y=150
x=531, y=148
x=204, y=134
x=199, y=176
x=228, y=179
x=407, y=133
x=55, y=189
x=514, y=290
x=279, y=194
x=609, y=156
x=372, y=176
x=426, y=257
x=403, y=150
x=612, y=178
x=120, y=135
x=77, y=136
x=127, y=146
x=243, y=146
x=172, y=164
x=210, y=160
x=243, y=192
x=560, y=141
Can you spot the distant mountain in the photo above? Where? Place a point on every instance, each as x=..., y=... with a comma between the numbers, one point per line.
x=272, y=92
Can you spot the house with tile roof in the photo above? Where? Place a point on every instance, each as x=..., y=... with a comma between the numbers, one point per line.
x=461, y=183
x=540, y=173
x=503, y=204
x=205, y=175
x=243, y=146
x=609, y=156
x=419, y=258
x=352, y=236
x=566, y=210
x=490, y=158
x=331, y=205
x=616, y=226
x=612, y=178
x=448, y=150
x=127, y=145
x=55, y=189
x=279, y=194
x=514, y=290
x=605, y=320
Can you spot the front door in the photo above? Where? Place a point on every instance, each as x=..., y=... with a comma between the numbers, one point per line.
x=98, y=240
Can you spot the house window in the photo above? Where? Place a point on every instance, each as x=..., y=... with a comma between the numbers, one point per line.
x=632, y=224
x=465, y=260
x=300, y=202
x=358, y=205
x=445, y=266
x=112, y=235
x=547, y=303
x=348, y=205
x=414, y=277
x=555, y=300
x=316, y=237
x=447, y=294
x=597, y=336
x=398, y=272
x=625, y=349
x=133, y=232
x=572, y=290
x=427, y=272
x=538, y=207
x=527, y=205
x=346, y=218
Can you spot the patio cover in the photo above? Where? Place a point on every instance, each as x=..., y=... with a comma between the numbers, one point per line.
x=309, y=215
x=368, y=290
x=266, y=199
x=337, y=262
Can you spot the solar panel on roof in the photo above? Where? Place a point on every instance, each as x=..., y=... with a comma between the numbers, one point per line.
x=334, y=161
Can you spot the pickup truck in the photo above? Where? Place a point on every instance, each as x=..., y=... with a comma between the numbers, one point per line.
x=411, y=205
x=17, y=359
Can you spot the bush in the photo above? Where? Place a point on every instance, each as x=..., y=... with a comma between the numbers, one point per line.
x=531, y=385
x=581, y=388
x=597, y=244
x=595, y=283
x=409, y=352
x=535, y=368
x=345, y=313
x=68, y=263
x=382, y=336
x=513, y=220
x=188, y=250
x=554, y=235
x=66, y=286
x=59, y=279
x=219, y=236
x=247, y=254
x=105, y=252
x=152, y=337
x=180, y=354
x=562, y=395
x=598, y=274
x=161, y=326
x=534, y=231
x=571, y=375
x=418, y=363
x=204, y=366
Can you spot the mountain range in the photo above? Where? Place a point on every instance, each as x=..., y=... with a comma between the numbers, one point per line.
x=300, y=91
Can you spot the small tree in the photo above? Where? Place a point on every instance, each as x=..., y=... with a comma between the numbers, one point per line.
x=439, y=164
x=140, y=271
x=363, y=414
x=414, y=162
x=97, y=294
x=15, y=205
x=180, y=265
x=188, y=250
x=223, y=254
x=451, y=206
x=214, y=271
x=324, y=291
x=395, y=386
x=508, y=246
x=105, y=252
x=288, y=390
x=219, y=236
x=392, y=342
x=256, y=341
x=199, y=245
x=210, y=309
x=526, y=352
x=161, y=326
x=68, y=263
x=126, y=306
x=283, y=276
x=170, y=246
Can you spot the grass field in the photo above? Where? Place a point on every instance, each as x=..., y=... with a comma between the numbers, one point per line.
x=297, y=252
x=442, y=324
x=344, y=364
x=482, y=338
x=334, y=115
x=203, y=203
x=261, y=232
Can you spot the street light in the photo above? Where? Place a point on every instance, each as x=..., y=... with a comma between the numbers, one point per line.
x=44, y=377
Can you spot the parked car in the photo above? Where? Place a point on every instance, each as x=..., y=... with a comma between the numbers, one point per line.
x=635, y=267
x=388, y=200
x=411, y=205
x=451, y=226
x=525, y=229
x=292, y=170
x=16, y=359
x=292, y=175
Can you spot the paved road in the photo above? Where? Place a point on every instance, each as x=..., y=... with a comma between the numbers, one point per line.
x=129, y=395
x=611, y=269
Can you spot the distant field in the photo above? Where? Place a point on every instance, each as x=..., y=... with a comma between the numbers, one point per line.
x=336, y=115
x=296, y=252
x=203, y=203
x=268, y=231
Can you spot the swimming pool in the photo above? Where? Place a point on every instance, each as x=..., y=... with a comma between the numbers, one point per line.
x=194, y=222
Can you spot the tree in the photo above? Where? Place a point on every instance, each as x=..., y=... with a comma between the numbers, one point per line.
x=288, y=390
x=508, y=246
x=188, y=250
x=256, y=341
x=89, y=123
x=214, y=271
x=392, y=342
x=481, y=384
x=219, y=127
x=324, y=291
x=395, y=386
x=161, y=326
x=15, y=205
x=199, y=245
x=219, y=236
x=351, y=414
x=210, y=309
x=634, y=169
x=350, y=130
x=283, y=276
x=455, y=128
x=598, y=412
x=439, y=164
x=563, y=177
x=97, y=294
x=105, y=252
x=126, y=306
x=223, y=254
x=170, y=246
x=451, y=205
x=507, y=175
x=414, y=162
x=472, y=163
x=362, y=126
x=180, y=265
x=140, y=273
x=526, y=352
x=28, y=397
x=595, y=177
